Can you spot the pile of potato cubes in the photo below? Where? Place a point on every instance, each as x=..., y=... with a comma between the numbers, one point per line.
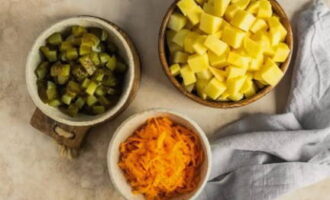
x=226, y=50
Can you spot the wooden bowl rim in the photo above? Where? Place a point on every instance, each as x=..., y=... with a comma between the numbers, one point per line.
x=277, y=9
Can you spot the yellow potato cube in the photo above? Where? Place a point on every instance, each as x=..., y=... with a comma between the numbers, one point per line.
x=195, y=15
x=187, y=75
x=171, y=45
x=214, y=89
x=248, y=88
x=200, y=85
x=220, y=7
x=209, y=23
x=200, y=1
x=259, y=25
x=236, y=97
x=177, y=22
x=257, y=77
x=198, y=45
x=198, y=63
x=205, y=74
x=218, y=61
x=190, y=87
x=234, y=85
x=265, y=9
x=256, y=63
x=276, y=28
x=239, y=60
x=208, y=7
x=217, y=46
x=169, y=36
x=264, y=39
x=233, y=72
x=189, y=40
x=180, y=57
x=243, y=20
x=218, y=34
x=224, y=96
x=175, y=69
x=180, y=37
x=271, y=73
x=242, y=4
x=253, y=48
x=282, y=52
x=253, y=7
x=231, y=11
x=186, y=6
x=218, y=74
x=174, y=47
x=233, y=37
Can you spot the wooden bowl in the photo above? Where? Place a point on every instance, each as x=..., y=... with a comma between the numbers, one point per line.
x=164, y=58
x=126, y=49
x=127, y=128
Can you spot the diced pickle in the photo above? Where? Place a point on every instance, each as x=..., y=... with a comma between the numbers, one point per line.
x=73, y=87
x=79, y=73
x=112, y=63
x=80, y=102
x=98, y=75
x=91, y=88
x=85, y=83
x=73, y=110
x=73, y=40
x=71, y=54
x=88, y=64
x=100, y=33
x=51, y=55
x=55, y=103
x=111, y=91
x=67, y=99
x=110, y=81
x=100, y=91
x=78, y=30
x=55, y=39
x=98, y=109
x=65, y=46
x=91, y=100
x=51, y=91
x=104, y=58
x=91, y=37
x=95, y=58
x=103, y=101
x=62, y=79
x=42, y=70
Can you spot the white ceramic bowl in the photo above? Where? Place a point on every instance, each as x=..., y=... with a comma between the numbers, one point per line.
x=127, y=128
x=126, y=50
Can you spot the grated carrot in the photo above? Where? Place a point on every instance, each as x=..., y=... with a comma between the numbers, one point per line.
x=162, y=159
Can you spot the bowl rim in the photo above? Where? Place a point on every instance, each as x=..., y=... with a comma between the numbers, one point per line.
x=128, y=94
x=202, y=135
x=162, y=53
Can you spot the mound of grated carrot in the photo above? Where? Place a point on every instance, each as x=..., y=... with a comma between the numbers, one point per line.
x=162, y=159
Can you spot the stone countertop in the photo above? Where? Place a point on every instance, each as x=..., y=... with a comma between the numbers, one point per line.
x=30, y=166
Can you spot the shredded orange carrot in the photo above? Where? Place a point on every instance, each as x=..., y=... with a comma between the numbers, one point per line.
x=162, y=159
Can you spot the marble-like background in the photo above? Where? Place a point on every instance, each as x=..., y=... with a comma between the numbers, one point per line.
x=30, y=166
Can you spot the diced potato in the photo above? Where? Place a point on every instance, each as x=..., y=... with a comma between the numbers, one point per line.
x=217, y=46
x=177, y=21
x=218, y=74
x=205, y=74
x=243, y=20
x=198, y=63
x=198, y=45
x=189, y=40
x=233, y=37
x=271, y=73
x=187, y=75
x=218, y=61
x=265, y=9
x=220, y=7
x=200, y=85
x=209, y=23
x=224, y=96
x=235, y=72
x=248, y=88
x=214, y=89
x=231, y=11
x=242, y=4
x=180, y=37
x=239, y=60
x=282, y=52
x=253, y=7
x=175, y=69
x=190, y=87
x=218, y=34
x=195, y=15
x=200, y=1
x=234, y=85
x=263, y=38
x=253, y=48
x=277, y=32
x=236, y=97
x=257, y=77
x=171, y=45
x=174, y=47
x=170, y=35
x=186, y=6
x=180, y=57
x=256, y=63
x=259, y=25
x=208, y=7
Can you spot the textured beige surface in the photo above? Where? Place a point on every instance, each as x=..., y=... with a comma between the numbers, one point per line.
x=30, y=167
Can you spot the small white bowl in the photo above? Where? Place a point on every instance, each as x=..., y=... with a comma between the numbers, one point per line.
x=127, y=128
x=126, y=50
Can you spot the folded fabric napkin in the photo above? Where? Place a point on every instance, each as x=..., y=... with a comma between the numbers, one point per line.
x=266, y=156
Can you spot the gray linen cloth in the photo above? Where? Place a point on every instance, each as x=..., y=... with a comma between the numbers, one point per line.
x=265, y=156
